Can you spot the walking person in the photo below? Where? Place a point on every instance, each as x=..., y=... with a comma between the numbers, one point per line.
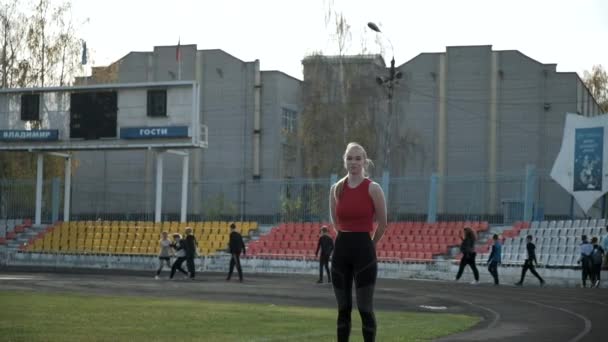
x=495, y=258
x=354, y=202
x=585, y=259
x=467, y=248
x=190, y=246
x=180, y=254
x=597, y=256
x=605, y=247
x=236, y=246
x=530, y=262
x=164, y=255
x=326, y=246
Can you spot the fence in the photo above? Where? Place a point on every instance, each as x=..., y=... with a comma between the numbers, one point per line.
x=502, y=199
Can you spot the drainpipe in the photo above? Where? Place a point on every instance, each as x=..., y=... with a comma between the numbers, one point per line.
x=256, y=119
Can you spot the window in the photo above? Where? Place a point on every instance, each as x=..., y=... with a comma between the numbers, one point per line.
x=30, y=107
x=93, y=115
x=289, y=121
x=157, y=103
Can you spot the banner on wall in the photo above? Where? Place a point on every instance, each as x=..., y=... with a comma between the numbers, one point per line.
x=580, y=164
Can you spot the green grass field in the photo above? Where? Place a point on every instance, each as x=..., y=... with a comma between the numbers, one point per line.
x=26, y=316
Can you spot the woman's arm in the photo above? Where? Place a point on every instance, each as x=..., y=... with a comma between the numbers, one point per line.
x=377, y=195
x=332, y=208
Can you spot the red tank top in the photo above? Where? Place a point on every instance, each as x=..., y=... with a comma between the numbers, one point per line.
x=355, y=209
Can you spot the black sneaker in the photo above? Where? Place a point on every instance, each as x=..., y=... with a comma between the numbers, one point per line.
x=519, y=283
x=319, y=281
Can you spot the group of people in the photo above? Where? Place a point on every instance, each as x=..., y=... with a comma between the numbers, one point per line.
x=592, y=256
x=467, y=248
x=185, y=250
x=356, y=202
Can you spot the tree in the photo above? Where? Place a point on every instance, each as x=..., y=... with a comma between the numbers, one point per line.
x=340, y=100
x=39, y=44
x=39, y=48
x=327, y=122
x=597, y=83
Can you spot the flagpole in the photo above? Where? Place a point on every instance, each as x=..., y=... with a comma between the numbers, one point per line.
x=178, y=56
x=84, y=62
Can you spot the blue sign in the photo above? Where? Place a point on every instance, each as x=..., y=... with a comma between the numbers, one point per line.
x=154, y=132
x=32, y=135
x=588, y=159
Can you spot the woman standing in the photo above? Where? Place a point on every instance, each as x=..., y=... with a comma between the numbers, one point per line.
x=355, y=201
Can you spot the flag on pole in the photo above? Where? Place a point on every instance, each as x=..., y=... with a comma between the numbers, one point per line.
x=84, y=53
x=178, y=55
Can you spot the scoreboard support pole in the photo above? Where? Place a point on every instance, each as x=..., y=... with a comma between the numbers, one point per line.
x=159, y=186
x=67, y=188
x=184, y=204
x=159, y=183
x=39, y=170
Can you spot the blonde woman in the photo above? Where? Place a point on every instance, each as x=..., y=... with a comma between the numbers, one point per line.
x=164, y=255
x=355, y=201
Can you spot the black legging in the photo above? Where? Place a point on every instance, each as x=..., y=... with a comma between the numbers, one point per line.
x=235, y=260
x=324, y=263
x=354, y=258
x=586, y=269
x=493, y=269
x=596, y=270
x=468, y=259
x=529, y=265
x=190, y=266
x=177, y=266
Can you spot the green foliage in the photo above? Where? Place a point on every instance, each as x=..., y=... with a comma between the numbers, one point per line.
x=218, y=207
x=291, y=209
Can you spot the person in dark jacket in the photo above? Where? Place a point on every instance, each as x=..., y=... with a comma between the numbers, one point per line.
x=178, y=247
x=597, y=256
x=326, y=246
x=467, y=247
x=495, y=258
x=585, y=259
x=190, y=246
x=236, y=246
x=530, y=262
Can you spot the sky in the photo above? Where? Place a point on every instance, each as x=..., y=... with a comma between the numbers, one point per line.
x=280, y=33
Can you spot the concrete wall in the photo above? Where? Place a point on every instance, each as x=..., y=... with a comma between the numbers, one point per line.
x=221, y=176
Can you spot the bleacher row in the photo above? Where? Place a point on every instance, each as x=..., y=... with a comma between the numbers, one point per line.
x=402, y=240
x=557, y=242
x=11, y=227
x=130, y=237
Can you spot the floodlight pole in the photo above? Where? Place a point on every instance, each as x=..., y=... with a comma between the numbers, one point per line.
x=389, y=83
